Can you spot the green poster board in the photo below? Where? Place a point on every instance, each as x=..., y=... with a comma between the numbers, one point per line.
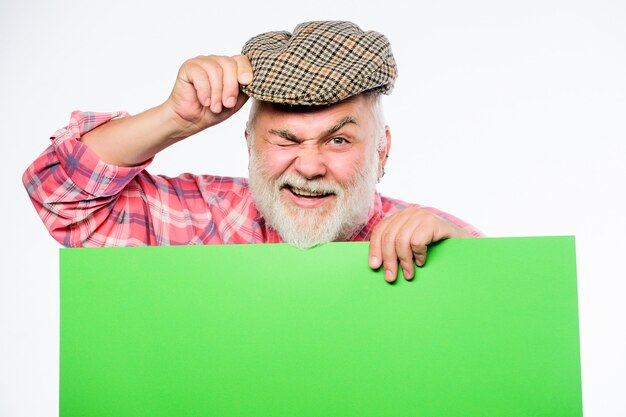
x=489, y=327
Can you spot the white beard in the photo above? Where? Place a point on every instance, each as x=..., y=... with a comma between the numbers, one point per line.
x=307, y=227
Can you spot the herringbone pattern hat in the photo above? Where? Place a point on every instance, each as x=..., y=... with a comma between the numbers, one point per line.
x=320, y=63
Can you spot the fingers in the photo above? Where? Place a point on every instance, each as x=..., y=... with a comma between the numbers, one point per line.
x=376, y=254
x=216, y=80
x=383, y=244
x=200, y=81
x=404, y=250
x=418, y=243
x=404, y=238
x=244, y=69
x=216, y=74
x=230, y=83
x=393, y=250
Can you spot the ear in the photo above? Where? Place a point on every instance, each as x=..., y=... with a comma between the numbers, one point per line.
x=383, y=154
x=247, y=135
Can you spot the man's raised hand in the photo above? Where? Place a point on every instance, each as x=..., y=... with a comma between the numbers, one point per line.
x=206, y=91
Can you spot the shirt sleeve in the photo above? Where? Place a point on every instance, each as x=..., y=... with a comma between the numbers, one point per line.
x=457, y=222
x=83, y=201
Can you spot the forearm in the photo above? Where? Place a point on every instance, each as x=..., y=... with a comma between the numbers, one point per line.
x=132, y=140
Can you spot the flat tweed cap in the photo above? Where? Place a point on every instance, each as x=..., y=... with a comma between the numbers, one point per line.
x=320, y=63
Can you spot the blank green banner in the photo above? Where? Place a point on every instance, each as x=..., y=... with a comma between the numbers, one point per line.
x=489, y=327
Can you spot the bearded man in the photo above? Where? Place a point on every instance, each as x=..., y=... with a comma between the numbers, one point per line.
x=317, y=143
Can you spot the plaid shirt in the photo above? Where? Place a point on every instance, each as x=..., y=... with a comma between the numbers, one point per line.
x=84, y=201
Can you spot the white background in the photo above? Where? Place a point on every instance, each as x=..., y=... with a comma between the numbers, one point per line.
x=510, y=115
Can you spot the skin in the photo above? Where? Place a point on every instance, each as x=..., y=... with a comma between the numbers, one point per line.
x=327, y=143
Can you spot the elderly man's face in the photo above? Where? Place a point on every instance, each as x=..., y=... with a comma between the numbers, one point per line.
x=313, y=172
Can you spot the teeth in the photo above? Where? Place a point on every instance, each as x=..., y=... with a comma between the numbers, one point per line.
x=306, y=193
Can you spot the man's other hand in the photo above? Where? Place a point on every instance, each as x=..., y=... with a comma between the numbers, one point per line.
x=206, y=91
x=404, y=237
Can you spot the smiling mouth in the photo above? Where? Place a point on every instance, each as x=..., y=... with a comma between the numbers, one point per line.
x=301, y=192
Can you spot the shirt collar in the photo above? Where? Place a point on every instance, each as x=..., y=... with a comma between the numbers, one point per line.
x=375, y=215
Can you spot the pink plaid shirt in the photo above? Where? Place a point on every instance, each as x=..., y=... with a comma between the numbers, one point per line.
x=84, y=201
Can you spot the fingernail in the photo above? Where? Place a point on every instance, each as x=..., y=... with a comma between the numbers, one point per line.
x=374, y=262
x=419, y=261
x=405, y=272
x=389, y=275
x=230, y=102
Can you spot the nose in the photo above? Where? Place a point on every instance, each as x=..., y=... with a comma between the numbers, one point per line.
x=309, y=163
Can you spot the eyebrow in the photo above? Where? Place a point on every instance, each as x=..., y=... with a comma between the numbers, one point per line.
x=287, y=134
